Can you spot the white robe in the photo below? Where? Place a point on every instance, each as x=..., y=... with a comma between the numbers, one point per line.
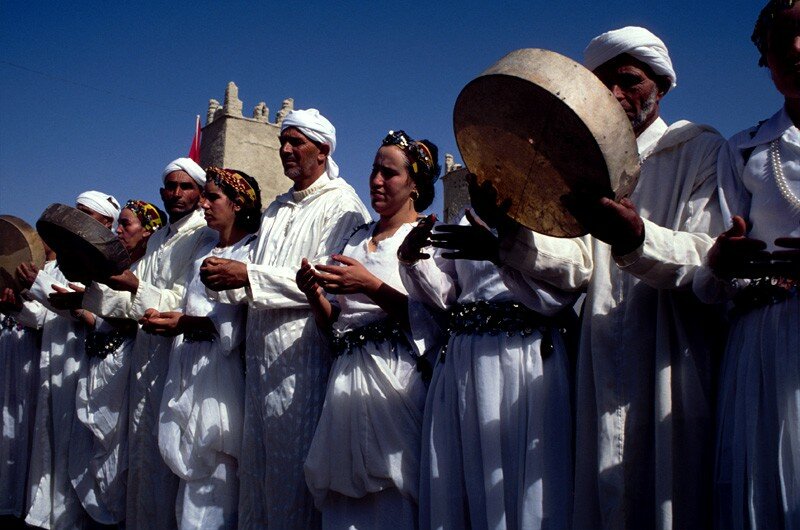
x=20, y=347
x=52, y=502
x=645, y=371
x=202, y=409
x=152, y=487
x=286, y=359
x=98, y=457
x=497, y=431
x=367, y=440
x=757, y=475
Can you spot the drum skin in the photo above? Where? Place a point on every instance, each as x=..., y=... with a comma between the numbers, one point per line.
x=85, y=249
x=540, y=126
x=19, y=243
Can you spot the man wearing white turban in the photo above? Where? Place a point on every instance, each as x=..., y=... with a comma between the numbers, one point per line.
x=644, y=389
x=286, y=372
x=52, y=502
x=160, y=283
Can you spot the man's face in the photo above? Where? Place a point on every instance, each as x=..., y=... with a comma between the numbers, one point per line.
x=180, y=194
x=301, y=158
x=783, y=52
x=107, y=221
x=634, y=85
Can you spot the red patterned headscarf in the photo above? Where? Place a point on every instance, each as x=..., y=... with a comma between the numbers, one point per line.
x=232, y=181
x=149, y=215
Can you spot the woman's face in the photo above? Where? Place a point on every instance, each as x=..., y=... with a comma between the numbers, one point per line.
x=783, y=52
x=220, y=211
x=390, y=185
x=131, y=232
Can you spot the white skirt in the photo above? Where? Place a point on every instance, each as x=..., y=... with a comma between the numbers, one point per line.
x=757, y=477
x=497, y=446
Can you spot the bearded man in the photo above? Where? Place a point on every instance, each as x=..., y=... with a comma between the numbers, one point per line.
x=287, y=356
x=644, y=393
x=160, y=283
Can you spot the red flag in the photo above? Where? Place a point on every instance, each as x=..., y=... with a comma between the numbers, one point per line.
x=194, y=150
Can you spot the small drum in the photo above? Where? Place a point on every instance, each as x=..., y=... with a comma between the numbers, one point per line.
x=85, y=249
x=19, y=243
x=540, y=126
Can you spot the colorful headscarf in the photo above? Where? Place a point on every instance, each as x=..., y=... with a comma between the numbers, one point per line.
x=234, y=182
x=149, y=215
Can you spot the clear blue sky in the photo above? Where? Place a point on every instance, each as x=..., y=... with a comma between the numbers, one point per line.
x=101, y=95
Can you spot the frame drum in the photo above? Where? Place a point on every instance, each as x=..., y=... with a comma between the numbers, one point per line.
x=85, y=249
x=19, y=243
x=540, y=126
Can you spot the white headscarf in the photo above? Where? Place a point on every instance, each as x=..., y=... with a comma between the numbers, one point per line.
x=316, y=127
x=99, y=202
x=189, y=166
x=636, y=42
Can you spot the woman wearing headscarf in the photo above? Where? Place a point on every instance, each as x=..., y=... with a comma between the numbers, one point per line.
x=497, y=433
x=202, y=409
x=757, y=264
x=98, y=456
x=363, y=464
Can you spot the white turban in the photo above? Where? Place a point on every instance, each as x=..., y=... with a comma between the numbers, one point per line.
x=316, y=127
x=636, y=42
x=99, y=202
x=189, y=166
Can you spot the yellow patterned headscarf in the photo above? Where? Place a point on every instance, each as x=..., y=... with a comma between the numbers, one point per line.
x=149, y=215
x=232, y=181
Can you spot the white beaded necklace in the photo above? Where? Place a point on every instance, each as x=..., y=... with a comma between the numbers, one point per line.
x=780, y=178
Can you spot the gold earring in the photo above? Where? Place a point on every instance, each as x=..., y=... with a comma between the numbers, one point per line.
x=414, y=195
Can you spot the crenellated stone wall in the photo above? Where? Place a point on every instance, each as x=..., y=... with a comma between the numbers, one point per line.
x=247, y=144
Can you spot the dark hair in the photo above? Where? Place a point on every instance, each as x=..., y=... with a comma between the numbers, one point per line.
x=766, y=19
x=425, y=177
x=248, y=218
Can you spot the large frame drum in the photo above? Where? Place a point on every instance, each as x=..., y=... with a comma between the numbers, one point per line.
x=19, y=243
x=540, y=126
x=86, y=250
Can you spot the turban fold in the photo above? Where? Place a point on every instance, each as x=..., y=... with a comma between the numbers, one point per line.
x=189, y=166
x=636, y=42
x=316, y=127
x=99, y=202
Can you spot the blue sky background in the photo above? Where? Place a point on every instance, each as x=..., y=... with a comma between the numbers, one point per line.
x=101, y=95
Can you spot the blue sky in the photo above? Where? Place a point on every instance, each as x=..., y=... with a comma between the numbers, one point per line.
x=102, y=95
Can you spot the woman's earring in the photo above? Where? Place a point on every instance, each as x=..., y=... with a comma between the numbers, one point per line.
x=414, y=195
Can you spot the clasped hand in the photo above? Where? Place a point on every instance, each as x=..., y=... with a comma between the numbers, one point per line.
x=166, y=324
x=219, y=274
x=348, y=278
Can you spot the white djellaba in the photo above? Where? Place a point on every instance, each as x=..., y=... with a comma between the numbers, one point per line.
x=52, y=501
x=363, y=464
x=286, y=373
x=202, y=409
x=98, y=457
x=496, y=441
x=20, y=347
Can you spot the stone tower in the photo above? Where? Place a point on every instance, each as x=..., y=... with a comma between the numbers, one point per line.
x=247, y=144
x=456, y=194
